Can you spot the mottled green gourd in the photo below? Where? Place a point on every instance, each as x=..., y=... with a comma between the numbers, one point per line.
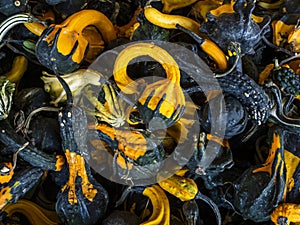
x=6, y=94
x=286, y=79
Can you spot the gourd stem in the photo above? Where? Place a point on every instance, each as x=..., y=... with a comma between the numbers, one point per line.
x=289, y=59
x=15, y=157
x=63, y=84
x=276, y=47
x=231, y=69
x=212, y=205
x=276, y=64
x=45, y=108
x=193, y=35
x=277, y=115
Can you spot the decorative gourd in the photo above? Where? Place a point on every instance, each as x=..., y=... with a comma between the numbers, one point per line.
x=286, y=79
x=286, y=32
x=181, y=187
x=261, y=188
x=161, y=206
x=235, y=25
x=74, y=40
x=163, y=98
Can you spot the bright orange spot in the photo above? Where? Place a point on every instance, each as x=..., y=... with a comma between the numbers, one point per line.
x=226, y=8
x=220, y=141
x=6, y=178
x=60, y=161
x=77, y=168
x=123, y=163
x=5, y=195
x=107, y=130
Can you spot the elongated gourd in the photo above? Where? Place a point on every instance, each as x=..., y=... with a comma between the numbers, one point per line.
x=18, y=69
x=172, y=21
x=33, y=212
x=167, y=21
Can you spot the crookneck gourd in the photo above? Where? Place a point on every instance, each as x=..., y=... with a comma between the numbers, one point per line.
x=18, y=69
x=167, y=21
x=234, y=25
x=80, y=37
x=163, y=98
x=82, y=199
x=261, y=188
x=33, y=212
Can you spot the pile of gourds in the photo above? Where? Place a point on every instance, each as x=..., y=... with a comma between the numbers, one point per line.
x=149, y=112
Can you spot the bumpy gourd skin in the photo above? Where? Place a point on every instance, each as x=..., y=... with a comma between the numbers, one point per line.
x=249, y=93
x=235, y=27
x=287, y=80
